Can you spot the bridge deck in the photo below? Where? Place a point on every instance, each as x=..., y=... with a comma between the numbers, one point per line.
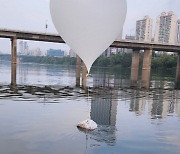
x=25, y=35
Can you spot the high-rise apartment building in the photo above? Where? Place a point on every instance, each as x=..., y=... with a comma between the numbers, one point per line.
x=166, y=28
x=178, y=32
x=144, y=29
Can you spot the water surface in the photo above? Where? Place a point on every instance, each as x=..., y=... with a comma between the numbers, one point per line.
x=39, y=115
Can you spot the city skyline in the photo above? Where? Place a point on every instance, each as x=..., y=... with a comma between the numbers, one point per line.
x=24, y=15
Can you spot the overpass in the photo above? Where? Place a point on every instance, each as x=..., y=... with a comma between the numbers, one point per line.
x=148, y=47
x=47, y=37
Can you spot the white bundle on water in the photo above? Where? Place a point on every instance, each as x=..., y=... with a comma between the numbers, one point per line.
x=87, y=124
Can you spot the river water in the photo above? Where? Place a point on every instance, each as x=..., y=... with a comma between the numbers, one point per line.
x=39, y=115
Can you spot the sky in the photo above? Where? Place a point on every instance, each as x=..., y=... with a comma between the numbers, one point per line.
x=32, y=15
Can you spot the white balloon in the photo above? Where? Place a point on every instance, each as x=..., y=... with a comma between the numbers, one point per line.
x=89, y=27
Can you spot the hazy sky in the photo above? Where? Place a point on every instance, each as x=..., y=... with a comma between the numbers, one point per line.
x=32, y=15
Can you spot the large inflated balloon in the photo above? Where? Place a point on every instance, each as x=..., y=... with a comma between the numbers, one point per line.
x=89, y=27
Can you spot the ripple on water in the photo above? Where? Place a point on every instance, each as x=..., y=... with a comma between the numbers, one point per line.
x=155, y=123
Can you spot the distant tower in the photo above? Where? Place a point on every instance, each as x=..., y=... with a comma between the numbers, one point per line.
x=178, y=32
x=46, y=26
x=144, y=29
x=72, y=53
x=23, y=48
x=166, y=28
x=26, y=47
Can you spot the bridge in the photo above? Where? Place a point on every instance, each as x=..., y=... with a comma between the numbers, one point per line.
x=34, y=36
x=148, y=47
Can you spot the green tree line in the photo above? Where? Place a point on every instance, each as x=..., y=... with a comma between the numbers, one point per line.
x=121, y=59
x=49, y=60
x=164, y=61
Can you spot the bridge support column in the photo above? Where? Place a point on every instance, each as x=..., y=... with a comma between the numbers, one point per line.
x=13, y=61
x=84, y=75
x=146, y=70
x=13, y=75
x=78, y=71
x=14, y=50
x=135, y=68
x=178, y=72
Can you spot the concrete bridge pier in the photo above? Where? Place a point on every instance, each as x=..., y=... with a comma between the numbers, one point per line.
x=135, y=68
x=146, y=69
x=13, y=76
x=78, y=71
x=13, y=61
x=84, y=75
x=79, y=62
x=178, y=72
x=14, y=50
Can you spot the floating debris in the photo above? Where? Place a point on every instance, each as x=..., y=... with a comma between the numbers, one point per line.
x=87, y=124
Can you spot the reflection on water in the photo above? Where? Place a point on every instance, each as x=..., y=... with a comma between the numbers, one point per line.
x=40, y=107
x=116, y=79
x=103, y=112
x=138, y=102
x=161, y=103
x=103, y=109
x=36, y=74
x=13, y=73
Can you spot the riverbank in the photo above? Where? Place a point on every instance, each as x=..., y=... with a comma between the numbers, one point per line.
x=122, y=59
